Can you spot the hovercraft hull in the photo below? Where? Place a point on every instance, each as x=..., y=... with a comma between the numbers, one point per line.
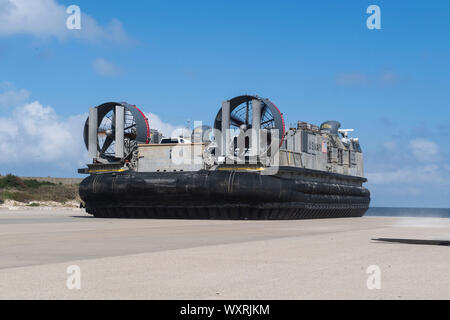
x=228, y=195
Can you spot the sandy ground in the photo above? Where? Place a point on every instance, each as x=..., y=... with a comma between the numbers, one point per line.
x=12, y=205
x=174, y=259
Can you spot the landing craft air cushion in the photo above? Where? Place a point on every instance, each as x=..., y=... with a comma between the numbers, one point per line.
x=248, y=166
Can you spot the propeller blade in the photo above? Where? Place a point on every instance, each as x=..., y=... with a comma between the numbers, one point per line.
x=113, y=120
x=237, y=121
x=106, y=145
x=132, y=126
x=266, y=122
x=247, y=113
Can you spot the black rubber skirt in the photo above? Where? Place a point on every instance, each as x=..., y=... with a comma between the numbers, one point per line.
x=223, y=195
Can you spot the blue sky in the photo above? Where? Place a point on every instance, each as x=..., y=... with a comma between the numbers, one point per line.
x=178, y=60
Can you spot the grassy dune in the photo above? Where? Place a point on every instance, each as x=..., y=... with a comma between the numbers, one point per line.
x=27, y=191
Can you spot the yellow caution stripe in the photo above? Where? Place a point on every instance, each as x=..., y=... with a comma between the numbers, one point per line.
x=106, y=171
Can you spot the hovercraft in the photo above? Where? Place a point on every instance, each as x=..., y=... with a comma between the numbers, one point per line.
x=247, y=167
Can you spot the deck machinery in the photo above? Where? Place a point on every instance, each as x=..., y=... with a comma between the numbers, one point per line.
x=247, y=166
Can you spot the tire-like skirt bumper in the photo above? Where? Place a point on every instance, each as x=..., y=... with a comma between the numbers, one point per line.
x=222, y=196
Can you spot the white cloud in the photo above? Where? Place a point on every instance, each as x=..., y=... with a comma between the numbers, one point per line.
x=47, y=18
x=37, y=17
x=11, y=97
x=412, y=175
x=34, y=134
x=424, y=150
x=167, y=129
x=416, y=164
x=105, y=68
x=411, y=185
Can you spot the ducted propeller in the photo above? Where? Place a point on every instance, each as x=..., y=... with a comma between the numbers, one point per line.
x=113, y=131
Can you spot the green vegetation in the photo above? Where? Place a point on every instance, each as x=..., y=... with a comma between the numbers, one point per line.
x=26, y=191
x=11, y=181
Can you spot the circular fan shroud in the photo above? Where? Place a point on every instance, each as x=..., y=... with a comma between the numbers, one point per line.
x=271, y=116
x=141, y=122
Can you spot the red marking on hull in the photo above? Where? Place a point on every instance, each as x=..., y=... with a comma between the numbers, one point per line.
x=146, y=123
x=284, y=125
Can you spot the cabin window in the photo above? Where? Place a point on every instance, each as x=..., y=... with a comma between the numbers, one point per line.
x=169, y=141
x=341, y=156
x=304, y=142
x=352, y=158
